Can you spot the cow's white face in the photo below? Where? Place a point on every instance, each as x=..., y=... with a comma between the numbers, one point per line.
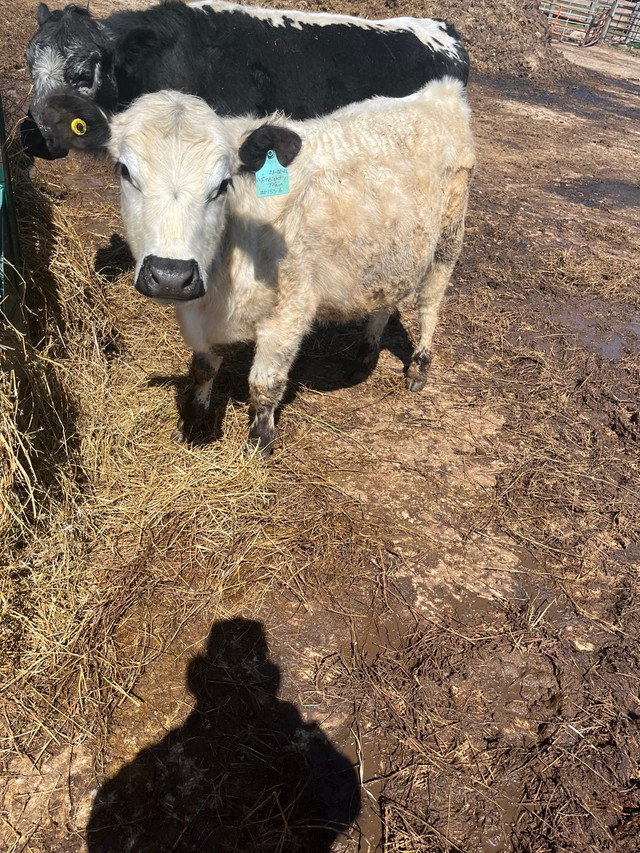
x=175, y=167
x=176, y=158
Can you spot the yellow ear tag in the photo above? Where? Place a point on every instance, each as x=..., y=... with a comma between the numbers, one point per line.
x=79, y=127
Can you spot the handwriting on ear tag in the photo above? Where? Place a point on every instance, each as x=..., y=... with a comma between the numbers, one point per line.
x=79, y=127
x=272, y=178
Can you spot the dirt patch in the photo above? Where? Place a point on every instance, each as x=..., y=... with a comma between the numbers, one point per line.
x=418, y=624
x=608, y=61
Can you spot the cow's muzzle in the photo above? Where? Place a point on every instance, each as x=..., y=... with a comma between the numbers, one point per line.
x=37, y=143
x=165, y=278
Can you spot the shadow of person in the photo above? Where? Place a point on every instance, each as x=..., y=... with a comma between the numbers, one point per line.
x=243, y=773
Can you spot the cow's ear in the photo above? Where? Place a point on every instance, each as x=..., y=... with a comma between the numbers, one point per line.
x=135, y=47
x=269, y=137
x=77, y=121
x=43, y=14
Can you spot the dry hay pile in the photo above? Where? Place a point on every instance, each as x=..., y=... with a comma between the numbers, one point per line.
x=505, y=37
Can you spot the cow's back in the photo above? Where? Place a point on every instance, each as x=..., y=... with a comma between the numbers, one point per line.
x=249, y=60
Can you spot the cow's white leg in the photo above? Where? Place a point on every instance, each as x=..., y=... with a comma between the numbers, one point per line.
x=277, y=346
x=203, y=370
x=369, y=350
x=429, y=299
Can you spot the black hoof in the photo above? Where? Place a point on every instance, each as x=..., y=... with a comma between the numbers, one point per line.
x=264, y=450
x=365, y=362
x=262, y=435
x=193, y=425
x=417, y=371
x=415, y=384
x=265, y=446
x=178, y=434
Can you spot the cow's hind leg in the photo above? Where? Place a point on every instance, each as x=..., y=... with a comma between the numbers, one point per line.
x=203, y=370
x=369, y=350
x=429, y=299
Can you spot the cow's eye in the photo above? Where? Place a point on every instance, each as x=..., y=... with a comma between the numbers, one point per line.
x=224, y=186
x=85, y=81
x=84, y=77
x=123, y=172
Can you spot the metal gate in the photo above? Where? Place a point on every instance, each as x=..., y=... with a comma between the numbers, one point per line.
x=587, y=22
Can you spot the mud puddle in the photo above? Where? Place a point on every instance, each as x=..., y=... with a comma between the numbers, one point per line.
x=601, y=192
x=600, y=328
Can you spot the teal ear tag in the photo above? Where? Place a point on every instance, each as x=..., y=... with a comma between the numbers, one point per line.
x=272, y=178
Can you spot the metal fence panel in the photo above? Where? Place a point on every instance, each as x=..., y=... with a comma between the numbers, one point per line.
x=588, y=22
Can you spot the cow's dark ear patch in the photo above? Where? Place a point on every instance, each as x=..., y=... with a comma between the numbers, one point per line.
x=253, y=151
x=77, y=121
x=43, y=14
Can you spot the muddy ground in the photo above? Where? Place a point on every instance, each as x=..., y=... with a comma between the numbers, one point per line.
x=463, y=674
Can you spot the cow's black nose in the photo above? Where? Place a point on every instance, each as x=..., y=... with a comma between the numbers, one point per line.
x=35, y=144
x=167, y=278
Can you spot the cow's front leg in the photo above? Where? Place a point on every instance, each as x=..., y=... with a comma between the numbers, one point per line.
x=276, y=349
x=203, y=370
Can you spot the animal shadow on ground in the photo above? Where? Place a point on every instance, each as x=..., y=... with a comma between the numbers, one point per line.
x=115, y=259
x=243, y=772
x=325, y=363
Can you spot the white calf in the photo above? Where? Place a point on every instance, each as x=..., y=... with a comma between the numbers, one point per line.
x=375, y=212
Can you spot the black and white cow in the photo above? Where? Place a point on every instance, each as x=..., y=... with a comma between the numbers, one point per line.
x=374, y=212
x=241, y=60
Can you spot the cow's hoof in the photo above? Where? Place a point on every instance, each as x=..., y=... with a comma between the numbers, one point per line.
x=364, y=363
x=265, y=450
x=178, y=433
x=415, y=384
x=418, y=370
x=362, y=370
x=262, y=437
